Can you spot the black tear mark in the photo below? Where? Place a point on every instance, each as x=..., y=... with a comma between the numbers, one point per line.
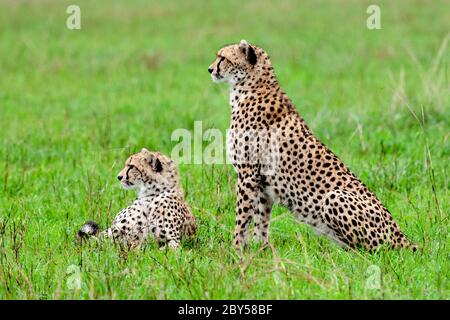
x=218, y=65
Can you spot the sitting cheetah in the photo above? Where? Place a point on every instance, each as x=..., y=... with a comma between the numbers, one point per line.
x=159, y=210
x=300, y=173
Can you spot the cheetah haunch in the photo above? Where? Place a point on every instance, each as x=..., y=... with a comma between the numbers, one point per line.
x=301, y=173
x=159, y=210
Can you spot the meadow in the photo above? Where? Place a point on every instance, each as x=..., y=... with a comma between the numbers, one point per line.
x=75, y=103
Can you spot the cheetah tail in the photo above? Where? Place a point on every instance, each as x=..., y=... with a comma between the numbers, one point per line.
x=88, y=229
x=400, y=240
x=412, y=246
x=408, y=244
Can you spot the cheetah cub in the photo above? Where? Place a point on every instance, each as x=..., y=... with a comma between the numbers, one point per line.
x=159, y=210
x=299, y=172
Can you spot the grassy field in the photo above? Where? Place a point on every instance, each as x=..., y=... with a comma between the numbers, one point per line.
x=75, y=103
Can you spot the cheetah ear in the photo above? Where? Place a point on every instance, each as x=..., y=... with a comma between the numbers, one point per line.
x=144, y=150
x=249, y=52
x=243, y=44
x=155, y=164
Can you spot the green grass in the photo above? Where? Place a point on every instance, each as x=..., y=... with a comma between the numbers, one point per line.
x=75, y=104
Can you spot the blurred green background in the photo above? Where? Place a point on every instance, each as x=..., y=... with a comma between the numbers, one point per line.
x=75, y=103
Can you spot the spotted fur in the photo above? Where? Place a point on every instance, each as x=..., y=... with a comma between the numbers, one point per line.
x=306, y=177
x=159, y=210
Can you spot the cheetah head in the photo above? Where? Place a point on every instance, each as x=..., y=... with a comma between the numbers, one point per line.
x=239, y=62
x=145, y=169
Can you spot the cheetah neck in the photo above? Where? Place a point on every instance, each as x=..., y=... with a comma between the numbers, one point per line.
x=152, y=190
x=243, y=90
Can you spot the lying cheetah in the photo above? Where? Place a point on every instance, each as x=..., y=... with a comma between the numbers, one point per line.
x=301, y=173
x=159, y=210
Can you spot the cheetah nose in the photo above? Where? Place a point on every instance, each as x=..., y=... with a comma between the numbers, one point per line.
x=210, y=70
x=120, y=178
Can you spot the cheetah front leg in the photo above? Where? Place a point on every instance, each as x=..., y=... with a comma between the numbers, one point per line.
x=173, y=240
x=262, y=218
x=245, y=209
x=168, y=227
